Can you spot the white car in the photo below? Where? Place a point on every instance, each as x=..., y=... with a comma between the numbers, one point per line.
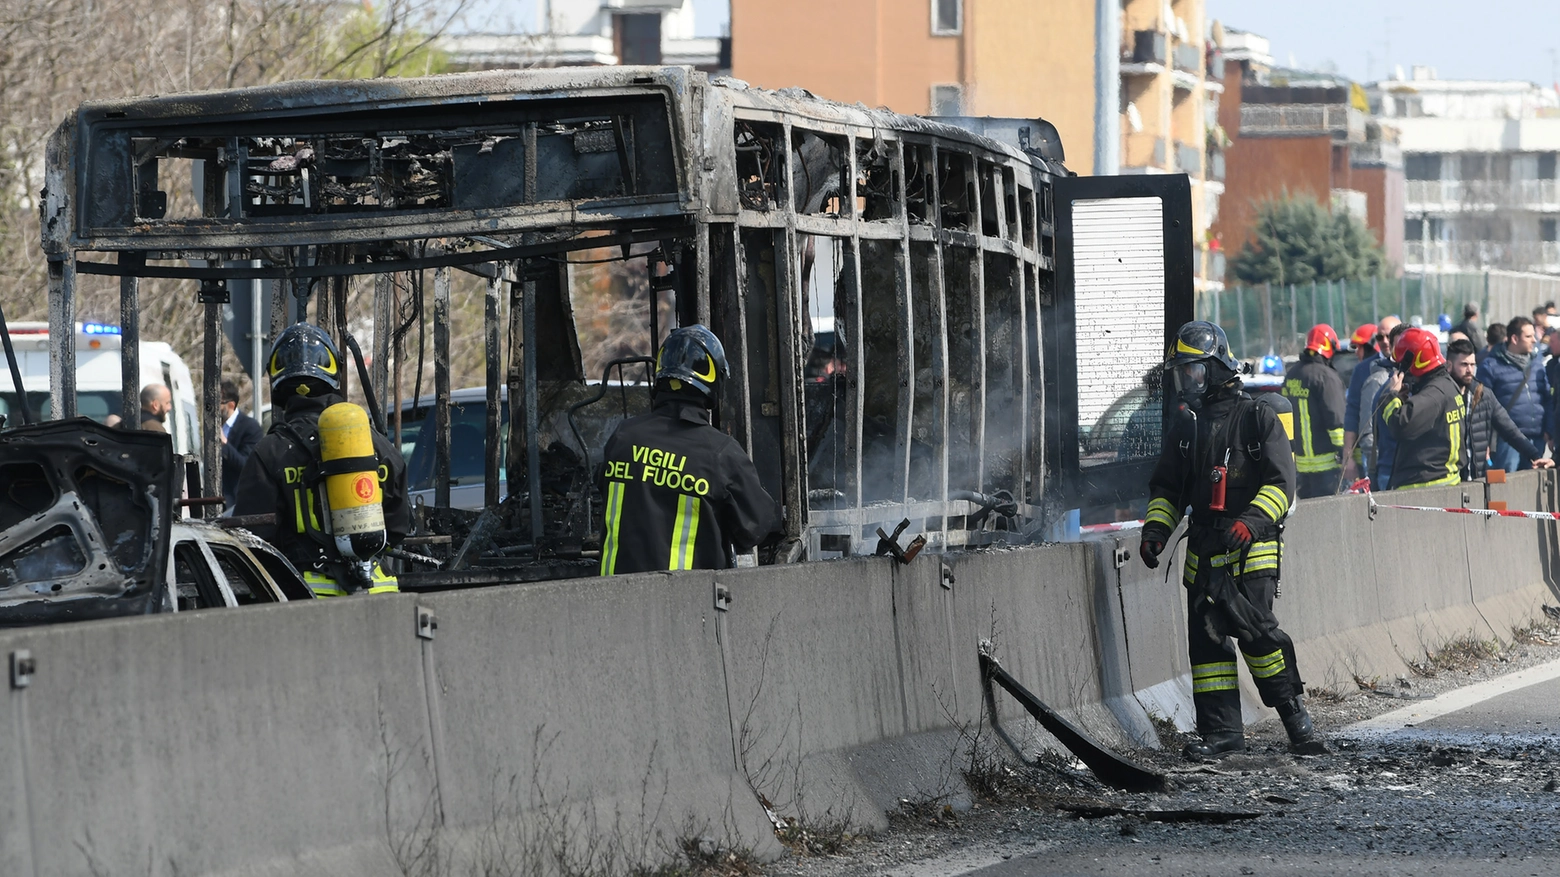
x=87, y=531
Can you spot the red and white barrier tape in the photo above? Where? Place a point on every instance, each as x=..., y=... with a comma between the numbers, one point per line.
x=1116, y=527
x=1363, y=486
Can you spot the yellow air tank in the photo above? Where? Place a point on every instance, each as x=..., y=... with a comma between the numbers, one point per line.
x=356, y=510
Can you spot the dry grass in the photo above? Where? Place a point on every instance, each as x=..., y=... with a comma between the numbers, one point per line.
x=704, y=858
x=1464, y=653
x=1541, y=632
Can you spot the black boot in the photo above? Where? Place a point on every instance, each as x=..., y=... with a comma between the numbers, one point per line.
x=1216, y=744
x=1302, y=733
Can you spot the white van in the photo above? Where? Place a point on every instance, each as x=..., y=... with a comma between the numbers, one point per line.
x=98, y=378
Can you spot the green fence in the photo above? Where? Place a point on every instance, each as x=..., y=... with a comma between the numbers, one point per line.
x=1274, y=318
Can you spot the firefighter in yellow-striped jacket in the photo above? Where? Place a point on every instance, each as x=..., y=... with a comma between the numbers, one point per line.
x=1316, y=391
x=677, y=493
x=1226, y=459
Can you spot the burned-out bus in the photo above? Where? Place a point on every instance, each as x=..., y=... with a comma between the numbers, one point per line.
x=928, y=320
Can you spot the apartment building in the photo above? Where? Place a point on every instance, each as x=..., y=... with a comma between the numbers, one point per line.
x=1014, y=58
x=573, y=33
x=1481, y=163
x=1301, y=133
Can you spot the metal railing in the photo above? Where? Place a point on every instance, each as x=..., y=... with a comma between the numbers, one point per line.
x=1376, y=153
x=1539, y=256
x=1275, y=318
x=1280, y=120
x=1188, y=57
x=1483, y=194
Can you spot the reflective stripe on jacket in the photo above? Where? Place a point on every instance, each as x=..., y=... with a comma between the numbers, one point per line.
x=1428, y=426
x=1260, y=485
x=1315, y=390
x=677, y=493
x=324, y=586
x=1261, y=558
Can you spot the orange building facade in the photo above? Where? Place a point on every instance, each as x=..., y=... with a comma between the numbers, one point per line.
x=1013, y=58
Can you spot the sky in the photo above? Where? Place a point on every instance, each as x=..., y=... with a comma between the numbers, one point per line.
x=1364, y=39
x=509, y=16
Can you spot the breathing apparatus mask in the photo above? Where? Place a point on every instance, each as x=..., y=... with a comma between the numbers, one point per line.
x=1191, y=382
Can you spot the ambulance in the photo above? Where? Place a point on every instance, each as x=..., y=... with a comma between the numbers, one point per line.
x=98, y=379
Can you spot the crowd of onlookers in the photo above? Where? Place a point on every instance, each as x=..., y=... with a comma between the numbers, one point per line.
x=1507, y=373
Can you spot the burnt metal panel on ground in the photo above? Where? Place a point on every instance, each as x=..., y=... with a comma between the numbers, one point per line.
x=1102, y=351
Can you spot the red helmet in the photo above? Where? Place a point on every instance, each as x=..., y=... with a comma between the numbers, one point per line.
x=1418, y=351
x=1365, y=334
x=1322, y=340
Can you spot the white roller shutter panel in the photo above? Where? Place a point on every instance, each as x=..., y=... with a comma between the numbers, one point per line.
x=1119, y=297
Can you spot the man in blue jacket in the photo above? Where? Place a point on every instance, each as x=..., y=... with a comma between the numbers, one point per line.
x=1516, y=378
x=1358, y=440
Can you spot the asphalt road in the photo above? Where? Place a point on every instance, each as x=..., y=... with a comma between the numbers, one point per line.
x=1461, y=784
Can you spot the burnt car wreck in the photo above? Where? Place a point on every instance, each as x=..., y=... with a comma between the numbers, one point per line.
x=895, y=293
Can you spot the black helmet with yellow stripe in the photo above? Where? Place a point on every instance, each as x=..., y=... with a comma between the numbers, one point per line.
x=1200, y=360
x=1201, y=340
x=302, y=355
x=692, y=355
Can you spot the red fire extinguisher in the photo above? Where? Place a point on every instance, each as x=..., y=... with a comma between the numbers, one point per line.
x=1220, y=476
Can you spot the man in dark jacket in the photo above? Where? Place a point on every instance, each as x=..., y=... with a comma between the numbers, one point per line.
x=1315, y=390
x=1425, y=414
x=1470, y=322
x=285, y=478
x=1366, y=342
x=1485, y=417
x=1374, y=438
x=240, y=434
x=1494, y=338
x=156, y=402
x=1227, y=457
x=1516, y=378
x=679, y=493
x=1552, y=375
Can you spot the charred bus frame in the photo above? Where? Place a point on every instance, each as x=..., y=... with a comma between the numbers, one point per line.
x=933, y=245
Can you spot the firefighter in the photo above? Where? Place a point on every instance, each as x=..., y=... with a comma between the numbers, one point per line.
x=1227, y=457
x=677, y=492
x=336, y=488
x=1315, y=390
x=1425, y=413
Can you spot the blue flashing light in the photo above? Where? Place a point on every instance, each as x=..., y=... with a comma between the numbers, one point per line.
x=99, y=329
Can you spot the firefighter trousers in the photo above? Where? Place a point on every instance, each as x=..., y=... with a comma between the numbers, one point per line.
x=1223, y=611
x=1313, y=484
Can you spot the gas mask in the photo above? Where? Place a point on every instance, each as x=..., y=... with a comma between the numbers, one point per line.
x=1191, y=382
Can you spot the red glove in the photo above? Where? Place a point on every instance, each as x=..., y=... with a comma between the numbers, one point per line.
x=1237, y=536
x=1149, y=550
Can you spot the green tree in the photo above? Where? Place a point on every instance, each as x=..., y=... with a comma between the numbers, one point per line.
x=394, y=38
x=1298, y=240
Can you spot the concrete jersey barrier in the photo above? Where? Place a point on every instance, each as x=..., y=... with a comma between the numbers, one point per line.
x=613, y=717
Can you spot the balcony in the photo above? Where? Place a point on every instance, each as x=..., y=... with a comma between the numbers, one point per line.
x=1188, y=159
x=1216, y=165
x=1188, y=58
x=1150, y=47
x=1474, y=196
x=1376, y=154
x=1340, y=121
x=1216, y=65
x=1444, y=256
